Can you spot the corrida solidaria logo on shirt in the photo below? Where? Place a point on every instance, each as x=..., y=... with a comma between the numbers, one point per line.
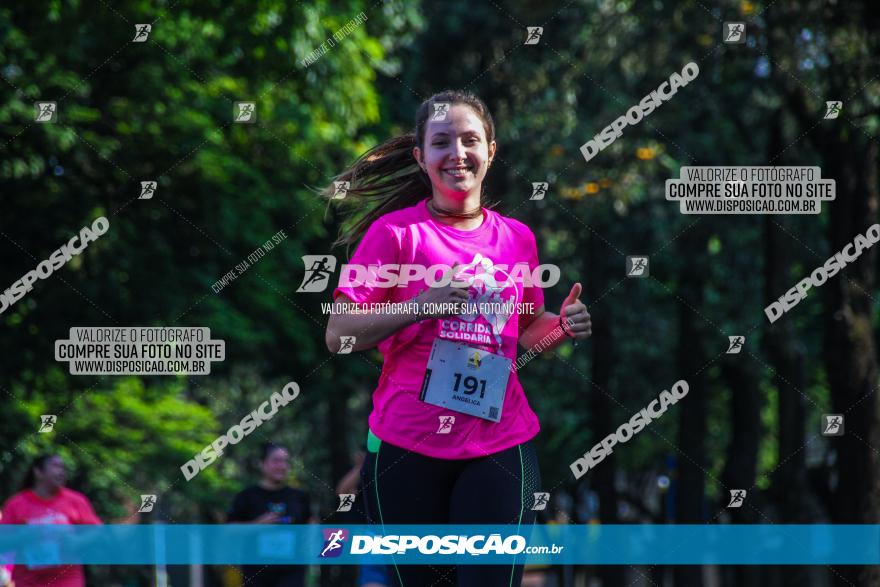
x=492, y=300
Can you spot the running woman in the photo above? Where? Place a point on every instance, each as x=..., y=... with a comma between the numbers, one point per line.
x=449, y=438
x=272, y=501
x=45, y=500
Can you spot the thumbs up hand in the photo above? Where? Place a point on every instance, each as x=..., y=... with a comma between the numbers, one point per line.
x=574, y=316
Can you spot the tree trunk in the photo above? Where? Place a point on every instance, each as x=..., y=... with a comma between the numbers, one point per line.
x=742, y=378
x=790, y=489
x=849, y=157
x=602, y=406
x=692, y=342
x=850, y=350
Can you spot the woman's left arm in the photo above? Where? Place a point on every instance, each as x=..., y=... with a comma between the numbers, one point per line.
x=542, y=330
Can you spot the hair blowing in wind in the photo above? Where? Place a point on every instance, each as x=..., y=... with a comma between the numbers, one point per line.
x=387, y=177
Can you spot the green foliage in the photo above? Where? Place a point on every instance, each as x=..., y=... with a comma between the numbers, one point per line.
x=162, y=110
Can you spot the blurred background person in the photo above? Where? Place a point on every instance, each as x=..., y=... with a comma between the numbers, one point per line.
x=45, y=500
x=5, y=569
x=272, y=501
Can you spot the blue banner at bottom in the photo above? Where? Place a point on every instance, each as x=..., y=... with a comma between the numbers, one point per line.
x=819, y=544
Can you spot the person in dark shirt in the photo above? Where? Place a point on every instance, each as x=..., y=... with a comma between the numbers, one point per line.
x=272, y=501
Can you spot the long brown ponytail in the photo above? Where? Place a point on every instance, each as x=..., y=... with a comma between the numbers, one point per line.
x=387, y=177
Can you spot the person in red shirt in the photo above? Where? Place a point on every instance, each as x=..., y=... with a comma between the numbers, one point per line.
x=5, y=569
x=45, y=500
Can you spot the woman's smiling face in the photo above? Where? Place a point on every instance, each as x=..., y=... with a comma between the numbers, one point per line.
x=457, y=153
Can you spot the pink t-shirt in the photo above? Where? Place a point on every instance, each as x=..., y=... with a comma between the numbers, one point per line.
x=65, y=507
x=413, y=236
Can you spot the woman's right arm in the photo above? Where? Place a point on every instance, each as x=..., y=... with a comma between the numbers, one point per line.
x=369, y=329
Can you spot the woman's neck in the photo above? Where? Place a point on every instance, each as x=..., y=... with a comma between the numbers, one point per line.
x=468, y=204
x=45, y=492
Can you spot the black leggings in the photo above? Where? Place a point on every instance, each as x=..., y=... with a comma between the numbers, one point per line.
x=404, y=487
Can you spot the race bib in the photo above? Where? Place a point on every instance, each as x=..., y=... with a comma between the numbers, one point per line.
x=465, y=379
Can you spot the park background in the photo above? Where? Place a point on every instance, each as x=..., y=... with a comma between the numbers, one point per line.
x=162, y=110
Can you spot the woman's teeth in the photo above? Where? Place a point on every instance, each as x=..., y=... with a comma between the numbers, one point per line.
x=458, y=172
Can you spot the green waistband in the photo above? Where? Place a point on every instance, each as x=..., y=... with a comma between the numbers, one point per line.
x=373, y=441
